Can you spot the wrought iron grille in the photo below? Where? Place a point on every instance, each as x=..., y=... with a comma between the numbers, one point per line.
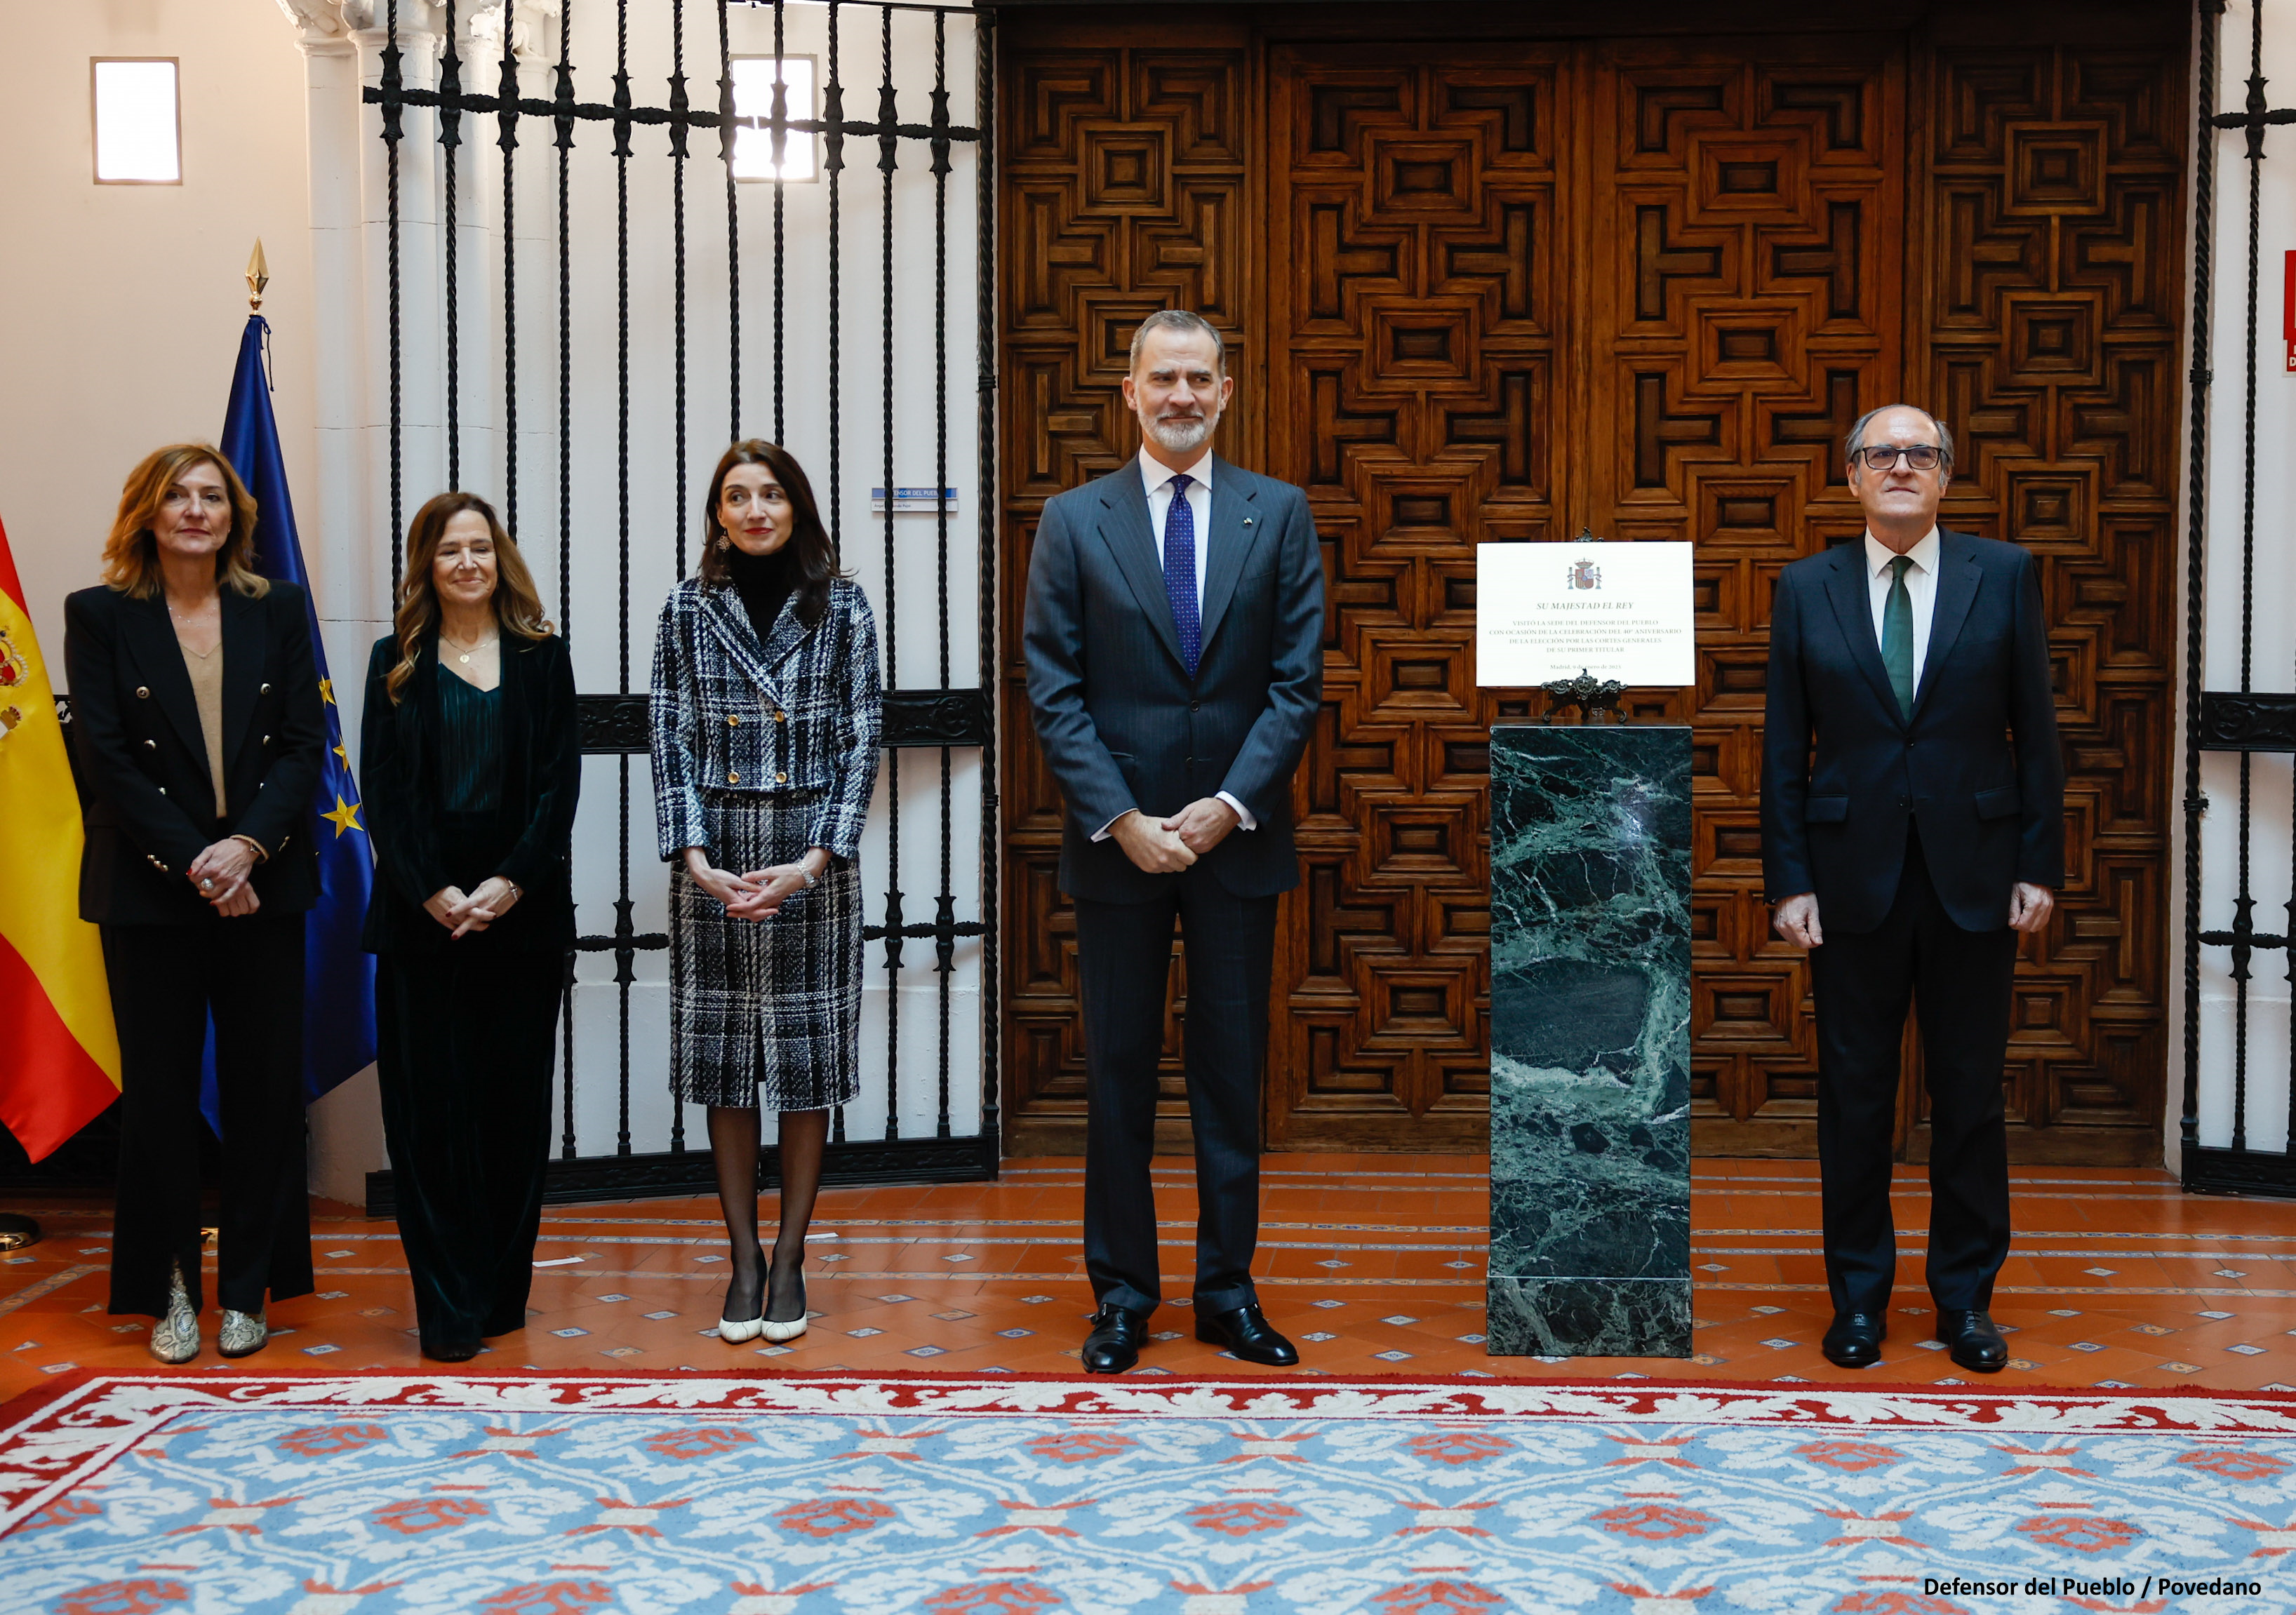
x=2246, y=721
x=939, y=720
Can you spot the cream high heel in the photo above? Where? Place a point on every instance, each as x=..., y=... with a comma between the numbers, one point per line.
x=748, y=1329
x=176, y=1334
x=779, y=1334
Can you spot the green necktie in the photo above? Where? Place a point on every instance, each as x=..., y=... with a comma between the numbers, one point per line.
x=1897, y=636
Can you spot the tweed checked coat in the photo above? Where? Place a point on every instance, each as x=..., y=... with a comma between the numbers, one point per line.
x=759, y=752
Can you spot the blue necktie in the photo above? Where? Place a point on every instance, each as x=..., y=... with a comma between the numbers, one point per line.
x=1180, y=573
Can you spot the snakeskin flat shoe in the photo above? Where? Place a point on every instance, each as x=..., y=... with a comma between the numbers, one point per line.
x=175, y=1334
x=242, y=1333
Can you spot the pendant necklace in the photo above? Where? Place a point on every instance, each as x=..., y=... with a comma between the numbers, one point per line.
x=464, y=656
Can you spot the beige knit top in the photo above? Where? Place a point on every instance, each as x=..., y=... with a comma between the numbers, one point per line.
x=207, y=690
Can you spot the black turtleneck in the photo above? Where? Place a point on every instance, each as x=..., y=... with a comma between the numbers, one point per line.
x=764, y=582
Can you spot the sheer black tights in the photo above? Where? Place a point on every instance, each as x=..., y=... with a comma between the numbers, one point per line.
x=733, y=1133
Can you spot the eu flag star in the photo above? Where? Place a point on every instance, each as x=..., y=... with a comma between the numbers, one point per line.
x=344, y=818
x=327, y=691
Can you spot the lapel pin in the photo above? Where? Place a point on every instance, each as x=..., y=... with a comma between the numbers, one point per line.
x=1247, y=521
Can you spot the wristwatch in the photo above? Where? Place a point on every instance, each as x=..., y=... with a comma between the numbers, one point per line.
x=804, y=874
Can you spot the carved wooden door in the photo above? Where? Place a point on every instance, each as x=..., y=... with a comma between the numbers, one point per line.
x=1423, y=307
x=1751, y=306
x=1499, y=290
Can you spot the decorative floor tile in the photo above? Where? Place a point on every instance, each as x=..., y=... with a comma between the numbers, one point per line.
x=1407, y=1227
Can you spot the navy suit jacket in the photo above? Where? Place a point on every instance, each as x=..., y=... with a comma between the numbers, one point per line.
x=1977, y=767
x=1121, y=724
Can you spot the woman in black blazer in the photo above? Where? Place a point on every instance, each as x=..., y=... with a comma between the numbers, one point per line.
x=196, y=703
x=470, y=762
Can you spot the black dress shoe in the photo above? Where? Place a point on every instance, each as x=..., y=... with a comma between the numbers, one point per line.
x=1114, y=1343
x=1245, y=1332
x=1854, y=1339
x=1975, y=1343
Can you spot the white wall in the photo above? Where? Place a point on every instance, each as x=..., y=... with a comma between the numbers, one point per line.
x=594, y=513
x=124, y=303
x=2274, y=644
x=277, y=144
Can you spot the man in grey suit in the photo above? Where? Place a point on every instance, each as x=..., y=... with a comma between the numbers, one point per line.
x=1174, y=635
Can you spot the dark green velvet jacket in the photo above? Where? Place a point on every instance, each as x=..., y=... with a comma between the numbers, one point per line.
x=400, y=784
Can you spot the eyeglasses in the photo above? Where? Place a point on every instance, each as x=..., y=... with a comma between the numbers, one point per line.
x=1921, y=457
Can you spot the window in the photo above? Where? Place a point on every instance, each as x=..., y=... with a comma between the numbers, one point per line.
x=138, y=134
x=753, y=97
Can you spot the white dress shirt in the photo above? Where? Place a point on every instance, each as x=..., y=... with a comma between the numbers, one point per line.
x=1920, y=588
x=1158, y=478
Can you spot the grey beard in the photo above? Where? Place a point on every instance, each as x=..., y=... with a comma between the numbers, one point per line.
x=1181, y=436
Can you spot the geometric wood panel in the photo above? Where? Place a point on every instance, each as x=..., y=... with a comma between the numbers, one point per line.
x=1416, y=201
x=1750, y=306
x=2054, y=275
x=1478, y=287
x=1124, y=187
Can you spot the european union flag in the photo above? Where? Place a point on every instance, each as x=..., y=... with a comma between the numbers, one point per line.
x=337, y=975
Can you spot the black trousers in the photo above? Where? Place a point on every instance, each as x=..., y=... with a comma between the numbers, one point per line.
x=166, y=980
x=1124, y=957
x=1959, y=984
x=464, y=1040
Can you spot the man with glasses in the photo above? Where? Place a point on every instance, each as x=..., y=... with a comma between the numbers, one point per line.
x=1913, y=824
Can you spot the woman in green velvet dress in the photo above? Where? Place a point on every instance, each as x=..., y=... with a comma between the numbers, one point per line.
x=470, y=762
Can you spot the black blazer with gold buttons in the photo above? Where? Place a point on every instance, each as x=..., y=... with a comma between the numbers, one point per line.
x=151, y=807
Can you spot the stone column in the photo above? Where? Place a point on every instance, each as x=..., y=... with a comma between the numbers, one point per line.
x=1590, y=1041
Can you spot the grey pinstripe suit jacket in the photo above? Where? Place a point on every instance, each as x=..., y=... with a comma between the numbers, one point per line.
x=1121, y=723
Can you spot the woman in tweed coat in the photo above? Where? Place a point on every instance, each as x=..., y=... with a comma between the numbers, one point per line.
x=766, y=724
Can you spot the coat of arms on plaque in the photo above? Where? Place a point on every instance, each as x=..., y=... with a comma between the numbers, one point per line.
x=1584, y=574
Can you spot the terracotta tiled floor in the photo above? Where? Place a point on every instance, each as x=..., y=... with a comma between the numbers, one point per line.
x=1374, y=1263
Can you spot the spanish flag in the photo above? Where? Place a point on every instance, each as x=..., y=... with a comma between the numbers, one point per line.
x=59, y=1055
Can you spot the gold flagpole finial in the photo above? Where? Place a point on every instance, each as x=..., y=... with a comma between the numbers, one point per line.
x=258, y=277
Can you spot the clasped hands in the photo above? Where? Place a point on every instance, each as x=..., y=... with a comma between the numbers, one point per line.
x=1796, y=921
x=1168, y=846
x=759, y=894
x=219, y=875
x=462, y=915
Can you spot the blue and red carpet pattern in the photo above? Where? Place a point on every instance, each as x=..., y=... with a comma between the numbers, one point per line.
x=367, y=1493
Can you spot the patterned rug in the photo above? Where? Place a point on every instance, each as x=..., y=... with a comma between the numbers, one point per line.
x=359, y=1495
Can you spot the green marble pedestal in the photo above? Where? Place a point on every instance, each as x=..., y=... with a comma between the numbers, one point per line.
x=1590, y=1041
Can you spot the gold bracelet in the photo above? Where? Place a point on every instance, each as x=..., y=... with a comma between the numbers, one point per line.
x=254, y=846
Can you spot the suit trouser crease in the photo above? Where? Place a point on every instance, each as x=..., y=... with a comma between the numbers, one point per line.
x=465, y=1038
x=168, y=981
x=1124, y=961
x=1959, y=984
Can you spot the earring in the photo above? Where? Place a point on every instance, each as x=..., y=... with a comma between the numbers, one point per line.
x=723, y=543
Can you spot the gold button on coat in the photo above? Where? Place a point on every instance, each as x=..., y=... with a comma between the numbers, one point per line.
x=264, y=691
x=781, y=718
x=781, y=779
x=150, y=745
x=732, y=721
x=732, y=779
x=141, y=693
